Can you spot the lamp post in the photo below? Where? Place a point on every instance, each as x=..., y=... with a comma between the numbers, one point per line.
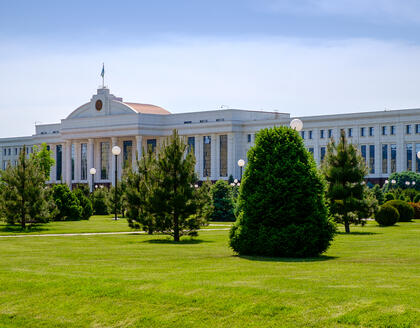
x=92, y=172
x=296, y=124
x=241, y=164
x=116, y=151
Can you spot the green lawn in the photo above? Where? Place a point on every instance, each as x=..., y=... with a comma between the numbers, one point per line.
x=103, y=223
x=370, y=278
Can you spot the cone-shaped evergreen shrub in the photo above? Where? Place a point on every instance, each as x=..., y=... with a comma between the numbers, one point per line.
x=281, y=201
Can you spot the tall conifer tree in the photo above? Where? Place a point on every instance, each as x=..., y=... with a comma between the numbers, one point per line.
x=344, y=170
x=23, y=192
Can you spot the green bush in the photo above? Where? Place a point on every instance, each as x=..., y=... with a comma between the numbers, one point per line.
x=99, y=201
x=68, y=206
x=85, y=203
x=387, y=215
x=389, y=196
x=282, y=205
x=404, y=209
x=417, y=198
x=221, y=194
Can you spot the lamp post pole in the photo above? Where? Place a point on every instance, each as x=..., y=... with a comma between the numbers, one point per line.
x=92, y=172
x=116, y=151
x=241, y=164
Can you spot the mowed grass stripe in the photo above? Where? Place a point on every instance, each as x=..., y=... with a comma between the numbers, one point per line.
x=367, y=279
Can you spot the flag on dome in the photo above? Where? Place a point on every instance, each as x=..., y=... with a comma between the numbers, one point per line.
x=103, y=70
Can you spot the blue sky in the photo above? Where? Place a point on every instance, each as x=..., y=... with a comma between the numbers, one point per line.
x=305, y=57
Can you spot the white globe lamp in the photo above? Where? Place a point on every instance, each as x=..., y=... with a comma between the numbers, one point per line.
x=296, y=124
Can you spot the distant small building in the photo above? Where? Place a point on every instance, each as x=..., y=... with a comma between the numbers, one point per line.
x=388, y=140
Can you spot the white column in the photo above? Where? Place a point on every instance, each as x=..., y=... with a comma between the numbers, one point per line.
x=138, y=152
x=67, y=159
x=112, y=173
x=400, y=148
x=414, y=157
x=90, y=161
x=231, y=155
x=77, y=164
x=377, y=151
x=97, y=162
x=214, y=157
x=1, y=157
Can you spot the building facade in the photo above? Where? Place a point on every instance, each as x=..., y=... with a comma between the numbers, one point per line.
x=388, y=140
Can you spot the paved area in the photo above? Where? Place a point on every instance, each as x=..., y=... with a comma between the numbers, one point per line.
x=91, y=234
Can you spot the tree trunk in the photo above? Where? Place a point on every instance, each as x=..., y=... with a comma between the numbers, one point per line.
x=176, y=228
x=347, y=226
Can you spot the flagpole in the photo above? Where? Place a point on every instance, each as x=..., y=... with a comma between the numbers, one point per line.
x=103, y=75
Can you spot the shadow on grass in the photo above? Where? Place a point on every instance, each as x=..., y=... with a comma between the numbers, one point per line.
x=367, y=233
x=181, y=242
x=287, y=259
x=18, y=229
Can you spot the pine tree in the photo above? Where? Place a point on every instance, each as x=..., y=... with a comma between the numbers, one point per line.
x=223, y=204
x=281, y=205
x=175, y=199
x=140, y=186
x=23, y=192
x=344, y=170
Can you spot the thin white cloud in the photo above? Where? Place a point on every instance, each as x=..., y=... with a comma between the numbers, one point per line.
x=380, y=11
x=300, y=77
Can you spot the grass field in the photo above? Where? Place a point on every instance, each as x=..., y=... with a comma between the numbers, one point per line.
x=103, y=223
x=370, y=278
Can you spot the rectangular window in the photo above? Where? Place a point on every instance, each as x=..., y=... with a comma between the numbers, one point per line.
x=310, y=134
x=58, y=162
x=72, y=161
x=371, y=131
x=311, y=150
x=223, y=156
x=385, y=159
x=408, y=129
x=409, y=154
x=393, y=158
x=104, y=160
x=206, y=156
x=384, y=131
x=322, y=153
x=302, y=134
x=417, y=159
x=392, y=130
x=249, y=138
x=321, y=134
x=371, y=158
x=330, y=132
x=417, y=128
x=10, y=150
x=16, y=151
x=83, y=161
x=4, y=151
x=363, y=151
x=127, y=154
x=191, y=144
x=362, y=132
x=151, y=144
x=349, y=132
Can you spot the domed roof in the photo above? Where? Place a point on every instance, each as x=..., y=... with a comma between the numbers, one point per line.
x=147, y=109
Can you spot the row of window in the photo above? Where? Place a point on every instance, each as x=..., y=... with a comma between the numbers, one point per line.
x=16, y=151
x=389, y=157
x=364, y=131
x=205, y=121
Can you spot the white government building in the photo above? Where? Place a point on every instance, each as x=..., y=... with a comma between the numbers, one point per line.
x=388, y=140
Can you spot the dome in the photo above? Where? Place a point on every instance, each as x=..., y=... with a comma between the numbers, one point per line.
x=147, y=108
